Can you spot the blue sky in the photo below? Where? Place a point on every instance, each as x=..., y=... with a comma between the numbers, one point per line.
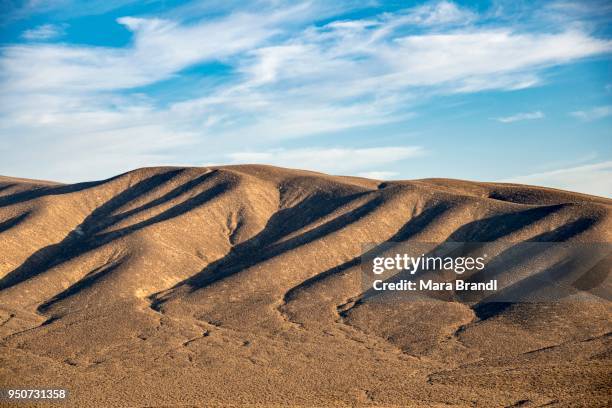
x=516, y=91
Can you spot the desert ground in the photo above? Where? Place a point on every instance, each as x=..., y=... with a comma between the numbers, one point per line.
x=241, y=286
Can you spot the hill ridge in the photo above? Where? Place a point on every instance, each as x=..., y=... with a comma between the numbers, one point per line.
x=201, y=263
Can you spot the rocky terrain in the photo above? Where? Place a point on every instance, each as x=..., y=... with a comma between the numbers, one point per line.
x=241, y=286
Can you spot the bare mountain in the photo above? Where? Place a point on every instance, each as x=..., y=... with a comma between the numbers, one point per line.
x=241, y=285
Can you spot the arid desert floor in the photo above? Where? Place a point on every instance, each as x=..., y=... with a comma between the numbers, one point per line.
x=241, y=286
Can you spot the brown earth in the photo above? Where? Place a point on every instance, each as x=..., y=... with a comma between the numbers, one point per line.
x=240, y=286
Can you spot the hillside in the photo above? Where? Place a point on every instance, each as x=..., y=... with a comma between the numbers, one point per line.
x=242, y=285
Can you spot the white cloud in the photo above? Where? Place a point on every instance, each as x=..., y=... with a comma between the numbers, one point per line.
x=593, y=179
x=160, y=49
x=286, y=77
x=72, y=143
x=372, y=57
x=443, y=12
x=373, y=50
x=43, y=32
x=308, y=85
x=15, y=10
x=378, y=175
x=330, y=160
x=521, y=116
x=439, y=58
x=593, y=113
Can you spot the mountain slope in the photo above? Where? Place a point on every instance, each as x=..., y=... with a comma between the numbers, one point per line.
x=242, y=284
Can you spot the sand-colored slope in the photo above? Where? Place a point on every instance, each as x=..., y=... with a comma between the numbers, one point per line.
x=241, y=285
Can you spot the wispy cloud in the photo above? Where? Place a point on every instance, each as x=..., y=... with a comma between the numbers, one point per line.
x=521, y=116
x=338, y=160
x=593, y=179
x=17, y=10
x=598, y=112
x=378, y=175
x=436, y=14
x=287, y=75
x=160, y=48
x=44, y=32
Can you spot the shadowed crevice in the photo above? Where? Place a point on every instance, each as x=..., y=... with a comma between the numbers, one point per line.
x=89, y=280
x=104, y=220
x=492, y=228
x=254, y=251
x=7, y=186
x=289, y=220
x=84, y=237
x=38, y=192
x=289, y=295
x=530, y=285
x=490, y=307
x=12, y=222
x=246, y=257
x=415, y=225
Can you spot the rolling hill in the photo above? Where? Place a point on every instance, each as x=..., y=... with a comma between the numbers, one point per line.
x=242, y=285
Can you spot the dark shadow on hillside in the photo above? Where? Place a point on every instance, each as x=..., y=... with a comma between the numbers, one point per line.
x=7, y=186
x=486, y=231
x=262, y=246
x=492, y=228
x=407, y=231
x=87, y=237
x=24, y=196
x=89, y=280
x=498, y=303
x=11, y=222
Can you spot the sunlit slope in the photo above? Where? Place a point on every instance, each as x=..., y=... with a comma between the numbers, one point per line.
x=183, y=277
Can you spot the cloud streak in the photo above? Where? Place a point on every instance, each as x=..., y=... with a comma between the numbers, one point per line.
x=521, y=116
x=43, y=32
x=593, y=179
x=287, y=76
x=596, y=113
x=330, y=160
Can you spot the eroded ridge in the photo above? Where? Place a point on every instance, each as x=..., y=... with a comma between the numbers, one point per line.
x=242, y=283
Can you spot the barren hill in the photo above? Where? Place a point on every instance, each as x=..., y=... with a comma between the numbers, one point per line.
x=241, y=285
